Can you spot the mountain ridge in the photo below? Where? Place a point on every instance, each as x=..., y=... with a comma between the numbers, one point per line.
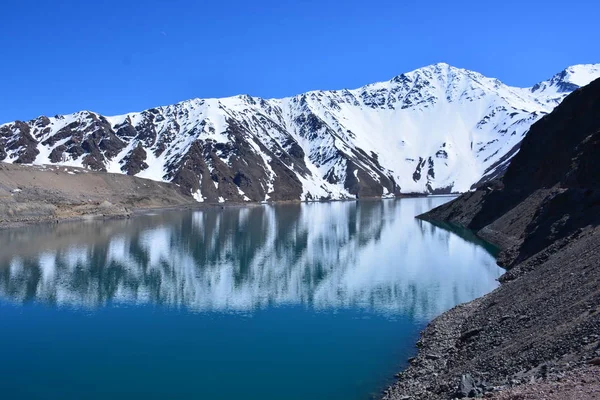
x=436, y=129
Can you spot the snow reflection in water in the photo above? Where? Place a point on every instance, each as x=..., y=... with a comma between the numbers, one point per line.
x=371, y=254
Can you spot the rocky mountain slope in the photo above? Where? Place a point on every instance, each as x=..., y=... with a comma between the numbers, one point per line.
x=437, y=129
x=544, y=320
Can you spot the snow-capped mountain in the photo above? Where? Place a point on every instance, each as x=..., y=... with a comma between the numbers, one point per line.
x=437, y=129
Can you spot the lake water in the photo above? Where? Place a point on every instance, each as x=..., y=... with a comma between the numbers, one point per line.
x=296, y=301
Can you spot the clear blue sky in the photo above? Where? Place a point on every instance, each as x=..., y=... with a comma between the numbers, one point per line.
x=119, y=56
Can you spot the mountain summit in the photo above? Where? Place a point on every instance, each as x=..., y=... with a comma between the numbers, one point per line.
x=437, y=129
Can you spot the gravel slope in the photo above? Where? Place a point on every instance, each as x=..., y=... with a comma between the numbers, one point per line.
x=30, y=194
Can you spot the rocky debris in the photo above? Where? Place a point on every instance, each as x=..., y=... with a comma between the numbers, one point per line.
x=580, y=383
x=541, y=325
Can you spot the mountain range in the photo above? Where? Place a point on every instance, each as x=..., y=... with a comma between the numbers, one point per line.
x=437, y=129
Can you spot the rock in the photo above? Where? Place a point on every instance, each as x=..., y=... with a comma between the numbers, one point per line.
x=523, y=318
x=105, y=204
x=594, y=361
x=470, y=333
x=468, y=387
x=544, y=371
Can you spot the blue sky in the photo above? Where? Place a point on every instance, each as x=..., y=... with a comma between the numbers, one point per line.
x=119, y=56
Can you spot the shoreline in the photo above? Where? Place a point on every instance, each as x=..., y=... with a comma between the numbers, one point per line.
x=50, y=194
x=19, y=223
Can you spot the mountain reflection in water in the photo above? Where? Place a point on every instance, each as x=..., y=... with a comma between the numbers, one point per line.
x=369, y=254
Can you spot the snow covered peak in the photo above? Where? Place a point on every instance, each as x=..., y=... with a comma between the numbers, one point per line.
x=435, y=129
x=568, y=80
x=581, y=74
x=434, y=69
x=439, y=71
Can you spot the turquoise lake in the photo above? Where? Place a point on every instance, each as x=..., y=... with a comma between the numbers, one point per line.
x=293, y=301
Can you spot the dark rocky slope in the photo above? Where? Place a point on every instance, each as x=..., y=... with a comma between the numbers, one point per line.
x=544, y=320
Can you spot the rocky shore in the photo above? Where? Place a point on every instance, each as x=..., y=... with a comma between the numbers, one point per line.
x=39, y=193
x=538, y=335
